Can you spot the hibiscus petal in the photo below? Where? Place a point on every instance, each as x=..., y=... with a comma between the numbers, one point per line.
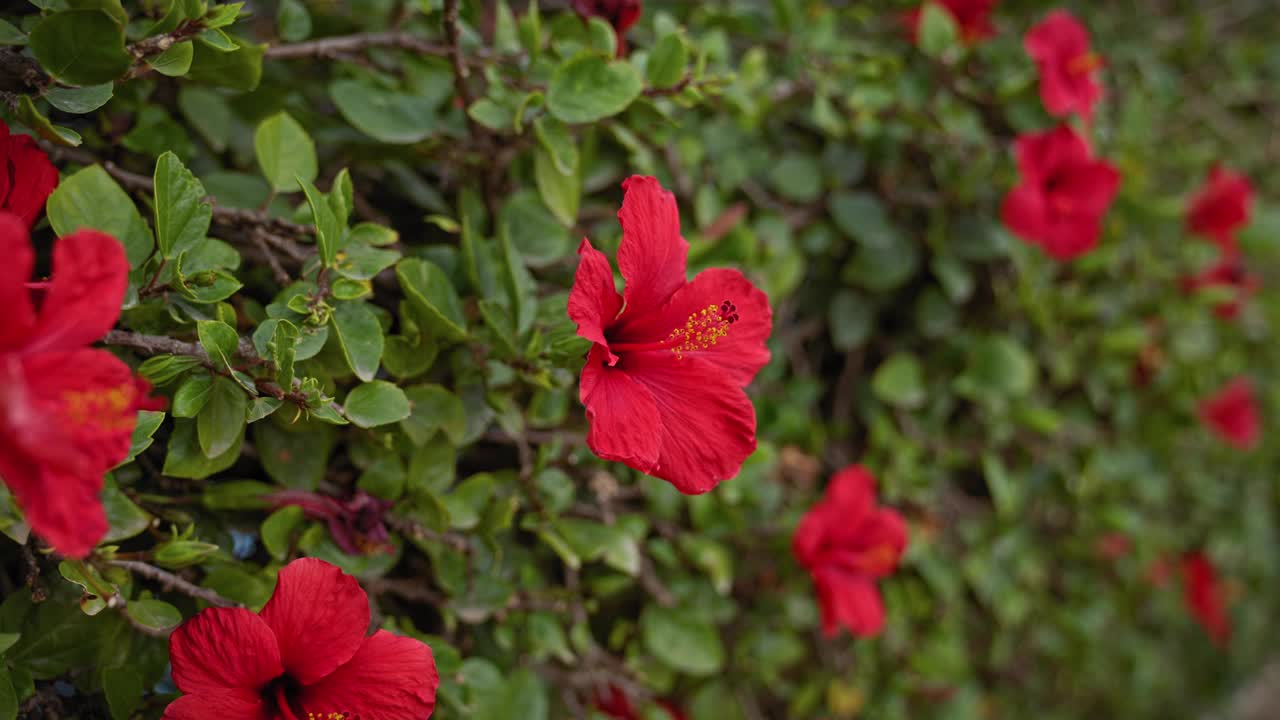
x=594, y=302
x=90, y=274
x=622, y=413
x=238, y=704
x=63, y=509
x=1070, y=237
x=224, y=649
x=1024, y=212
x=15, y=271
x=6, y=165
x=708, y=425
x=852, y=491
x=849, y=601
x=1039, y=154
x=1058, y=38
x=1091, y=186
x=389, y=678
x=34, y=178
x=319, y=615
x=652, y=255
x=732, y=339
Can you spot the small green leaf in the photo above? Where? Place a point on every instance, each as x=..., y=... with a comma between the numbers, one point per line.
x=219, y=340
x=124, y=518
x=588, y=88
x=433, y=297
x=81, y=47
x=900, y=381
x=192, y=396
x=182, y=216
x=174, y=62
x=682, y=640
x=561, y=192
x=434, y=407
x=360, y=336
x=31, y=116
x=143, y=432
x=938, y=31
x=10, y=35
x=285, y=153
x=376, y=403
x=228, y=63
x=328, y=231
x=124, y=690
x=278, y=529
x=390, y=117
x=221, y=422
x=667, y=61
x=79, y=100
x=283, y=349
x=154, y=614
x=293, y=20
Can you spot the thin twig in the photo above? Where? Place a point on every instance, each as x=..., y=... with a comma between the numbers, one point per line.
x=418, y=531
x=173, y=582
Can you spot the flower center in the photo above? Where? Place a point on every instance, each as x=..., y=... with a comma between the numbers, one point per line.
x=103, y=410
x=701, y=331
x=1084, y=64
x=280, y=694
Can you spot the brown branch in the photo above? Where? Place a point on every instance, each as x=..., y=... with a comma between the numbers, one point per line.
x=460, y=73
x=417, y=531
x=158, y=44
x=155, y=344
x=171, y=581
x=332, y=47
x=21, y=74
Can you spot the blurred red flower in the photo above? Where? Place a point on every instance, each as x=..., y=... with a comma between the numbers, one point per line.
x=1113, y=545
x=1221, y=207
x=28, y=178
x=1059, y=45
x=973, y=18
x=847, y=543
x=1205, y=596
x=357, y=524
x=663, y=383
x=1232, y=414
x=305, y=655
x=621, y=14
x=67, y=412
x=1063, y=193
x=1228, y=272
x=616, y=704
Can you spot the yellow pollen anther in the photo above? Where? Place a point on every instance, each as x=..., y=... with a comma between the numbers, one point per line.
x=103, y=409
x=703, y=329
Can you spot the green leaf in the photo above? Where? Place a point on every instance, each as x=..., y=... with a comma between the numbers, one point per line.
x=293, y=21
x=148, y=422
x=186, y=459
x=124, y=518
x=221, y=422
x=208, y=112
x=154, y=614
x=192, y=396
x=294, y=455
x=938, y=31
x=433, y=297
x=900, y=381
x=539, y=237
x=588, y=88
x=174, y=62
x=862, y=217
x=219, y=340
x=522, y=696
x=31, y=116
x=182, y=215
x=328, y=231
x=10, y=35
x=283, y=349
x=90, y=198
x=849, y=319
x=79, y=100
x=124, y=690
x=81, y=47
x=285, y=153
x=561, y=192
x=360, y=336
x=376, y=403
x=278, y=530
x=998, y=366
x=682, y=640
x=386, y=116
x=222, y=15
x=667, y=61
x=555, y=138
x=434, y=407
x=361, y=262
x=797, y=177
x=235, y=64
x=236, y=495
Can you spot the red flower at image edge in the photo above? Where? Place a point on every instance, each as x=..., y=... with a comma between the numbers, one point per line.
x=1063, y=193
x=1221, y=207
x=304, y=657
x=616, y=704
x=973, y=19
x=1232, y=414
x=663, y=383
x=847, y=543
x=1229, y=272
x=67, y=412
x=28, y=176
x=1059, y=45
x=621, y=14
x=1205, y=597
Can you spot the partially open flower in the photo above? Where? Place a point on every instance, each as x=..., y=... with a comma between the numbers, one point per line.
x=356, y=524
x=1059, y=44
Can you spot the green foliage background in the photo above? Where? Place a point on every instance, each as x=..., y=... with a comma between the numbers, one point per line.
x=856, y=178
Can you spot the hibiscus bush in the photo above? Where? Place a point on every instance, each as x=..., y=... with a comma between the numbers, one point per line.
x=617, y=359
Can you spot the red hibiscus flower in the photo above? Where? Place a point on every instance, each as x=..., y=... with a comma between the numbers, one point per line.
x=1232, y=414
x=357, y=524
x=973, y=18
x=1063, y=194
x=1205, y=596
x=304, y=656
x=66, y=411
x=847, y=543
x=1221, y=207
x=663, y=384
x=616, y=704
x=27, y=178
x=1059, y=45
x=1229, y=272
x=621, y=14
